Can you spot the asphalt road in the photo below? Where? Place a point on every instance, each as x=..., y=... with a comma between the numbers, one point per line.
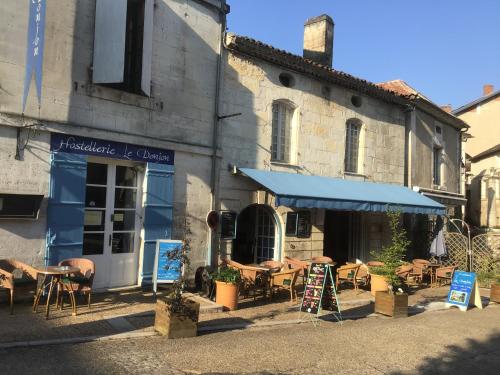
x=442, y=342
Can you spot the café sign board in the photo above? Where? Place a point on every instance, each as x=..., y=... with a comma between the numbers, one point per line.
x=166, y=269
x=464, y=291
x=74, y=144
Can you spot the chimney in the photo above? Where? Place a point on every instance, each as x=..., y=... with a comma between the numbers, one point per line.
x=446, y=108
x=487, y=89
x=318, y=40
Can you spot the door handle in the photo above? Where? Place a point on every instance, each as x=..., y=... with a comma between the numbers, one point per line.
x=110, y=240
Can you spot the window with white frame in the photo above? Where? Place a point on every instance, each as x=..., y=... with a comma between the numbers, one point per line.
x=282, y=131
x=436, y=165
x=353, y=133
x=123, y=44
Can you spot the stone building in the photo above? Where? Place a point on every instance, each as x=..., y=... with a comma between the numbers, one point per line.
x=483, y=156
x=311, y=154
x=118, y=152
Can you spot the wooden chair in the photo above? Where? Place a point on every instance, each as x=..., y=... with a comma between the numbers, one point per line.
x=404, y=272
x=302, y=265
x=418, y=272
x=347, y=273
x=81, y=282
x=252, y=278
x=16, y=276
x=322, y=259
x=445, y=274
x=285, y=280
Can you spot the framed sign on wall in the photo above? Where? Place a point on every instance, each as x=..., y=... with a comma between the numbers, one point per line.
x=228, y=225
x=298, y=224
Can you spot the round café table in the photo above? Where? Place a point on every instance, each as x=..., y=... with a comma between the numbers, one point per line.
x=55, y=273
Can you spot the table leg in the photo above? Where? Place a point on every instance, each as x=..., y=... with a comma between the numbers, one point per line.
x=39, y=292
x=55, y=280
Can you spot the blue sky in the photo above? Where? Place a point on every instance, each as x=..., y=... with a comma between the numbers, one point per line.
x=446, y=49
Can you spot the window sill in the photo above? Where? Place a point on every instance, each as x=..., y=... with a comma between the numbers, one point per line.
x=119, y=96
x=352, y=174
x=284, y=164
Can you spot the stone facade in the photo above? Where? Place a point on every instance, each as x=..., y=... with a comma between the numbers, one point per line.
x=178, y=116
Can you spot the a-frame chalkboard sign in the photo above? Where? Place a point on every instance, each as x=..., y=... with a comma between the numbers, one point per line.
x=319, y=293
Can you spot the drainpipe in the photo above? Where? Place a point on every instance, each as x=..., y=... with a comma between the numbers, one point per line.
x=215, y=131
x=410, y=125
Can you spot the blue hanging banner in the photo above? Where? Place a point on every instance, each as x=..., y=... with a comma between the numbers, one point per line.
x=34, y=48
x=73, y=144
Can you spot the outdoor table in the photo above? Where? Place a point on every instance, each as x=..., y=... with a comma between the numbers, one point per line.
x=56, y=274
x=432, y=272
x=264, y=268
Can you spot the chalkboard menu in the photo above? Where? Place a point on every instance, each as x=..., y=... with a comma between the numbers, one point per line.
x=311, y=302
x=298, y=224
x=227, y=225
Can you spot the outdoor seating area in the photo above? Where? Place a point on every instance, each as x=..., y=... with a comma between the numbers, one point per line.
x=71, y=276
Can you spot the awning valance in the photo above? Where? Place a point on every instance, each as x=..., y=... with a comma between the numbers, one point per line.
x=300, y=191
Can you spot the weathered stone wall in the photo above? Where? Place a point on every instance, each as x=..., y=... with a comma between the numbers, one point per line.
x=425, y=139
x=24, y=239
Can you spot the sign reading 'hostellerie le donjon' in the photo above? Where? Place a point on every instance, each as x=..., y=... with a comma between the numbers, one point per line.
x=89, y=146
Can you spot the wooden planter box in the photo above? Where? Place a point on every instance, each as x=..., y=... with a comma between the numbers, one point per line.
x=395, y=305
x=495, y=293
x=177, y=325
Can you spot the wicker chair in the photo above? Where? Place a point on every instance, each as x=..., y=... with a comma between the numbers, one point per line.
x=12, y=283
x=404, y=272
x=285, y=280
x=363, y=275
x=418, y=272
x=78, y=283
x=445, y=274
x=347, y=273
x=253, y=279
x=302, y=265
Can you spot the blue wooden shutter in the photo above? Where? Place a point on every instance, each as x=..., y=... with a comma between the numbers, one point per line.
x=66, y=206
x=158, y=213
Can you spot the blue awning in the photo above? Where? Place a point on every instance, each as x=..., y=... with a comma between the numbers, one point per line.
x=300, y=191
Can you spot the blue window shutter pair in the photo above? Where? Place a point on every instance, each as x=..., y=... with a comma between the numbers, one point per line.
x=158, y=213
x=66, y=207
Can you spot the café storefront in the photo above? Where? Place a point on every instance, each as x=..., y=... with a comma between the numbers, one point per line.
x=109, y=202
x=315, y=215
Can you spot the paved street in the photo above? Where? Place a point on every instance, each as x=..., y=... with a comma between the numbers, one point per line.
x=430, y=343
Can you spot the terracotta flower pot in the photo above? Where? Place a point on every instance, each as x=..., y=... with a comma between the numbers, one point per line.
x=226, y=294
x=378, y=284
x=177, y=324
x=395, y=305
x=495, y=293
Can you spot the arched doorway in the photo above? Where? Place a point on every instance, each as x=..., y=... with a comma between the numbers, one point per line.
x=255, y=235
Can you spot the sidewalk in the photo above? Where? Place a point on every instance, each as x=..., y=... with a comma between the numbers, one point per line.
x=131, y=314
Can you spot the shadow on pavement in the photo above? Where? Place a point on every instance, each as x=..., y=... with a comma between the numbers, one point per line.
x=479, y=357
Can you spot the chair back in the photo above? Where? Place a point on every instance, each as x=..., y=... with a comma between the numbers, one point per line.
x=404, y=270
x=375, y=263
x=348, y=271
x=362, y=271
x=322, y=259
x=10, y=265
x=285, y=278
x=86, y=266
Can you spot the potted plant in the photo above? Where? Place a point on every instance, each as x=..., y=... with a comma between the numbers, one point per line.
x=391, y=301
x=227, y=282
x=176, y=315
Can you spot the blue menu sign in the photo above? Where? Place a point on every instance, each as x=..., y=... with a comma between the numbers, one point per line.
x=464, y=290
x=74, y=144
x=166, y=270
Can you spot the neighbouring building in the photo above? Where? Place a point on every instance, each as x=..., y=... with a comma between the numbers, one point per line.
x=119, y=152
x=313, y=157
x=482, y=147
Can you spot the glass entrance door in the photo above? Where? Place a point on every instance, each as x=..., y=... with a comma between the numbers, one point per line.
x=111, y=224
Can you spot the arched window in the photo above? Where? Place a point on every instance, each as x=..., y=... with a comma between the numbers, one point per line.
x=352, y=136
x=282, y=131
